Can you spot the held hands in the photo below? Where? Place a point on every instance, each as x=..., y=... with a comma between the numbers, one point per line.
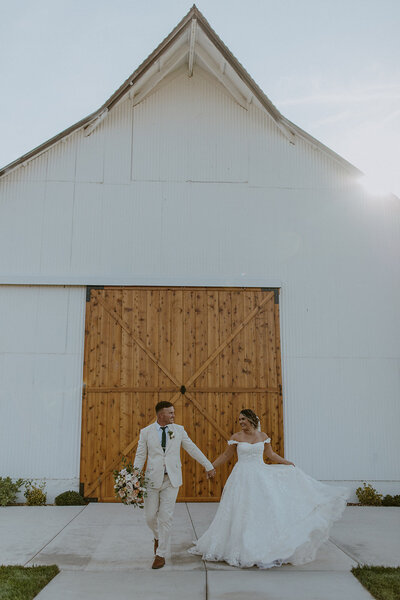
x=211, y=474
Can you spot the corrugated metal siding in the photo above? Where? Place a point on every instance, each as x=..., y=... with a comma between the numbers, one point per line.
x=41, y=357
x=34, y=170
x=21, y=205
x=218, y=197
x=118, y=144
x=274, y=162
x=61, y=160
x=189, y=129
x=57, y=227
x=342, y=416
x=183, y=132
x=90, y=156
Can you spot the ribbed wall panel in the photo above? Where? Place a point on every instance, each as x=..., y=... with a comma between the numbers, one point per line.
x=61, y=159
x=274, y=162
x=118, y=144
x=57, y=227
x=21, y=222
x=33, y=170
x=110, y=221
x=41, y=358
x=342, y=417
x=90, y=155
x=183, y=132
x=87, y=228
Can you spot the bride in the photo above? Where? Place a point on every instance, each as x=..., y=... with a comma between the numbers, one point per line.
x=269, y=515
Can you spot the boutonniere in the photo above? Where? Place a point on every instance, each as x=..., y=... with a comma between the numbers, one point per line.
x=171, y=434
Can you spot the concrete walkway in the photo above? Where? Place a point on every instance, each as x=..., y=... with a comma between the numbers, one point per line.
x=104, y=551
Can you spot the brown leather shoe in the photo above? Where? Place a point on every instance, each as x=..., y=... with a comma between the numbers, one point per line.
x=159, y=562
x=155, y=546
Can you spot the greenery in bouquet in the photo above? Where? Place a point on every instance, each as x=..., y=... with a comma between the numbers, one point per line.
x=130, y=484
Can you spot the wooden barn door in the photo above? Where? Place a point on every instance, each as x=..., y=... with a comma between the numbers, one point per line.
x=209, y=351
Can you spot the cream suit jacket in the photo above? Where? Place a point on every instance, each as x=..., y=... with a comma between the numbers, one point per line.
x=158, y=461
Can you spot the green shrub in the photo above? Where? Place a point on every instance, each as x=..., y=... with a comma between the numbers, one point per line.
x=35, y=494
x=391, y=500
x=368, y=495
x=69, y=498
x=9, y=490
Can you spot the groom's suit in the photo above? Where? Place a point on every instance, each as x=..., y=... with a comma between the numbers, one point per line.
x=164, y=472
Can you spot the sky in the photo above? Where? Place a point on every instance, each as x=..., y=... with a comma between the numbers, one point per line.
x=330, y=66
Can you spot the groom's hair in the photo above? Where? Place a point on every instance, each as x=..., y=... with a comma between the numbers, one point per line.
x=163, y=404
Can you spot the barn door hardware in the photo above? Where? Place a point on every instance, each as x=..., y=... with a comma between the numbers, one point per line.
x=82, y=493
x=89, y=288
x=183, y=390
x=276, y=293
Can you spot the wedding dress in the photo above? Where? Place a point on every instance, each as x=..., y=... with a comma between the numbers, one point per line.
x=270, y=514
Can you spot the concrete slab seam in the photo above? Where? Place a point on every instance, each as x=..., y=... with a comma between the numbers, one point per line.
x=204, y=562
x=54, y=537
x=344, y=551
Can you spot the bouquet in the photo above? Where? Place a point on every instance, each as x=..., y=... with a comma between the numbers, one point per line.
x=130, y=485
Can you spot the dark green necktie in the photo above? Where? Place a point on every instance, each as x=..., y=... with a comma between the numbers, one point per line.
x=164, y=438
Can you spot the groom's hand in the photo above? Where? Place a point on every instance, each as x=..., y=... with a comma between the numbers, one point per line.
x=211, y=474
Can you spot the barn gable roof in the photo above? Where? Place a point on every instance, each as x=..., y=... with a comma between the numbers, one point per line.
x=192, y=42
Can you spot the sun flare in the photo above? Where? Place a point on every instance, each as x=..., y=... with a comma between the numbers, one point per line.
x=375, y=185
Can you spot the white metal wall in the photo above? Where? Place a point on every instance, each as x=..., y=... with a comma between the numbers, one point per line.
x=189, y=188
x=41, y=361
x=103, y=205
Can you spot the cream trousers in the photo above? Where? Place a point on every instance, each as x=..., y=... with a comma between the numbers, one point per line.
x=159, y=510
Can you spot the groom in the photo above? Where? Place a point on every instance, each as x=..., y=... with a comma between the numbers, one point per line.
x=160, y=443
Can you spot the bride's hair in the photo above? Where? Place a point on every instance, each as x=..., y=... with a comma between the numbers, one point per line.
x=252, y=417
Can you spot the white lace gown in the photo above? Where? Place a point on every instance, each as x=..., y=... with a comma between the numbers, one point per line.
x=270, y=514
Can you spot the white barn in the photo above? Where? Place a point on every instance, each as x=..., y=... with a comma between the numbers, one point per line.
x=189, y=178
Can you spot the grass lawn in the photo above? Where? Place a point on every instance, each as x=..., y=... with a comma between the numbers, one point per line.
x=24, y=583
x=382, y=582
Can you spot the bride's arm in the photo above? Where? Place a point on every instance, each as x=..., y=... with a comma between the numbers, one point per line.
x=275, y=457
x=225, y=456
